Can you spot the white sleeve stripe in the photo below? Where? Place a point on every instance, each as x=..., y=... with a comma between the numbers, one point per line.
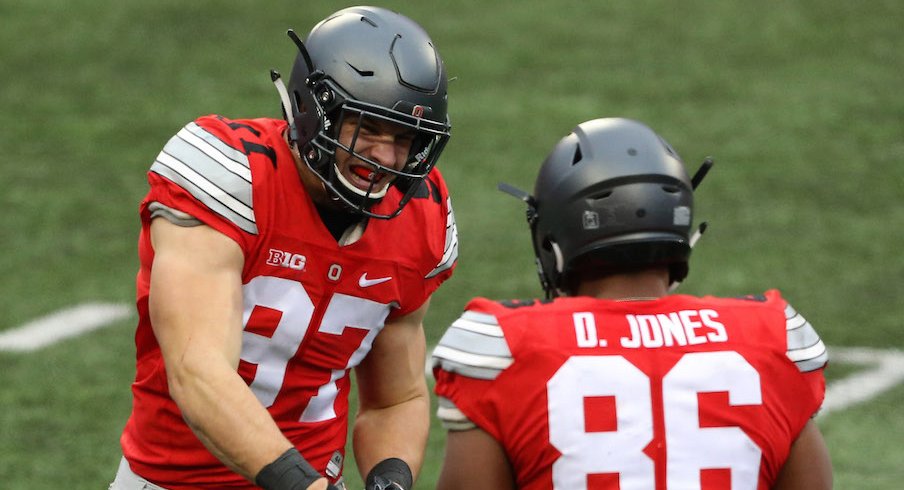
x=173, y=215
x=812, y=364
x=802, y=337
x=231, y=176
x=475, y=343
x=458, y=426
x=816, y=358
x=794, y=322
x=450, y=252
x=237, y=163
x=480, y=317
x=207, y=192
x=465, y=370
x=474, y=360
x=451, y=417
x=807, y=353
x=207, y=186
x=481, y=328
x=220, y=145
x=805, y=347
x=452, y=414
x=444, y=402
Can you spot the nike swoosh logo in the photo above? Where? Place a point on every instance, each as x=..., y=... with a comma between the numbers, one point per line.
x=364, y=282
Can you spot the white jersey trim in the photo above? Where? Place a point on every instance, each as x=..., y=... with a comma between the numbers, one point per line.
x=450, y=251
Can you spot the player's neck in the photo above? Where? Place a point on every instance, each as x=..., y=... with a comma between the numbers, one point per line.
x=647, y=284
x=337, y=219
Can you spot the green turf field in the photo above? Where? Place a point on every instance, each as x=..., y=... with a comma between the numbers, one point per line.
x=799, y=102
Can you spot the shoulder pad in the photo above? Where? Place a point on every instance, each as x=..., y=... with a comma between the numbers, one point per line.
x=212, y=171
x=474, y=346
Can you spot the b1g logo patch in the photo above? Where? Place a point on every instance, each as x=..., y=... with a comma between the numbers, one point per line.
x=290, y=260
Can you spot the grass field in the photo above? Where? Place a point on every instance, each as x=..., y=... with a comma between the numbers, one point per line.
x=799, y=102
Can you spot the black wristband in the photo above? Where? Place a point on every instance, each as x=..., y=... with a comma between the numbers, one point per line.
x=388, y=472
x=289, y=471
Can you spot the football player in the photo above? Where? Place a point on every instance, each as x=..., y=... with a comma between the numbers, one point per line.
x=277, y=255
x=611, y=382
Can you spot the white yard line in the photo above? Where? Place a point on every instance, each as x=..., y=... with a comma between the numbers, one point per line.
x=885, y=370
x=61, y=325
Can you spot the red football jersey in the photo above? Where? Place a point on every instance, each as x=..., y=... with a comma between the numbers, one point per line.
x=679, y=392
x=312, y=307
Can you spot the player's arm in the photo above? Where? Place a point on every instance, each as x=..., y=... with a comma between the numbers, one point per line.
x=196, y=306
x=394, y=404
x=474, y=461
x=808, y=466
x=470, y=355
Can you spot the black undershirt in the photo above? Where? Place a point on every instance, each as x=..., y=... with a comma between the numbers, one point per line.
x=336, y=220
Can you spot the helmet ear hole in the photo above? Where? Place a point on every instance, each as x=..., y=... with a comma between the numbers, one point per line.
x=557, y=253
x=546, y=245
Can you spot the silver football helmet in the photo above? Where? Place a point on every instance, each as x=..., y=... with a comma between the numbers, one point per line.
x=367, y=64
x=612, y=195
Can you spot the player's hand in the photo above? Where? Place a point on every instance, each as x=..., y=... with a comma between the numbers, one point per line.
x=320, y=484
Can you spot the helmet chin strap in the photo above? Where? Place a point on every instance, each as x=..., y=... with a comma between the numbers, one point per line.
x=693, y=241
x=557, y=252
x=695, y=182
x=292, y=136
x=286, y=105
x=550, y=289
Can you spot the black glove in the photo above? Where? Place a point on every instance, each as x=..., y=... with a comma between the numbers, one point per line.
x=389, y=474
